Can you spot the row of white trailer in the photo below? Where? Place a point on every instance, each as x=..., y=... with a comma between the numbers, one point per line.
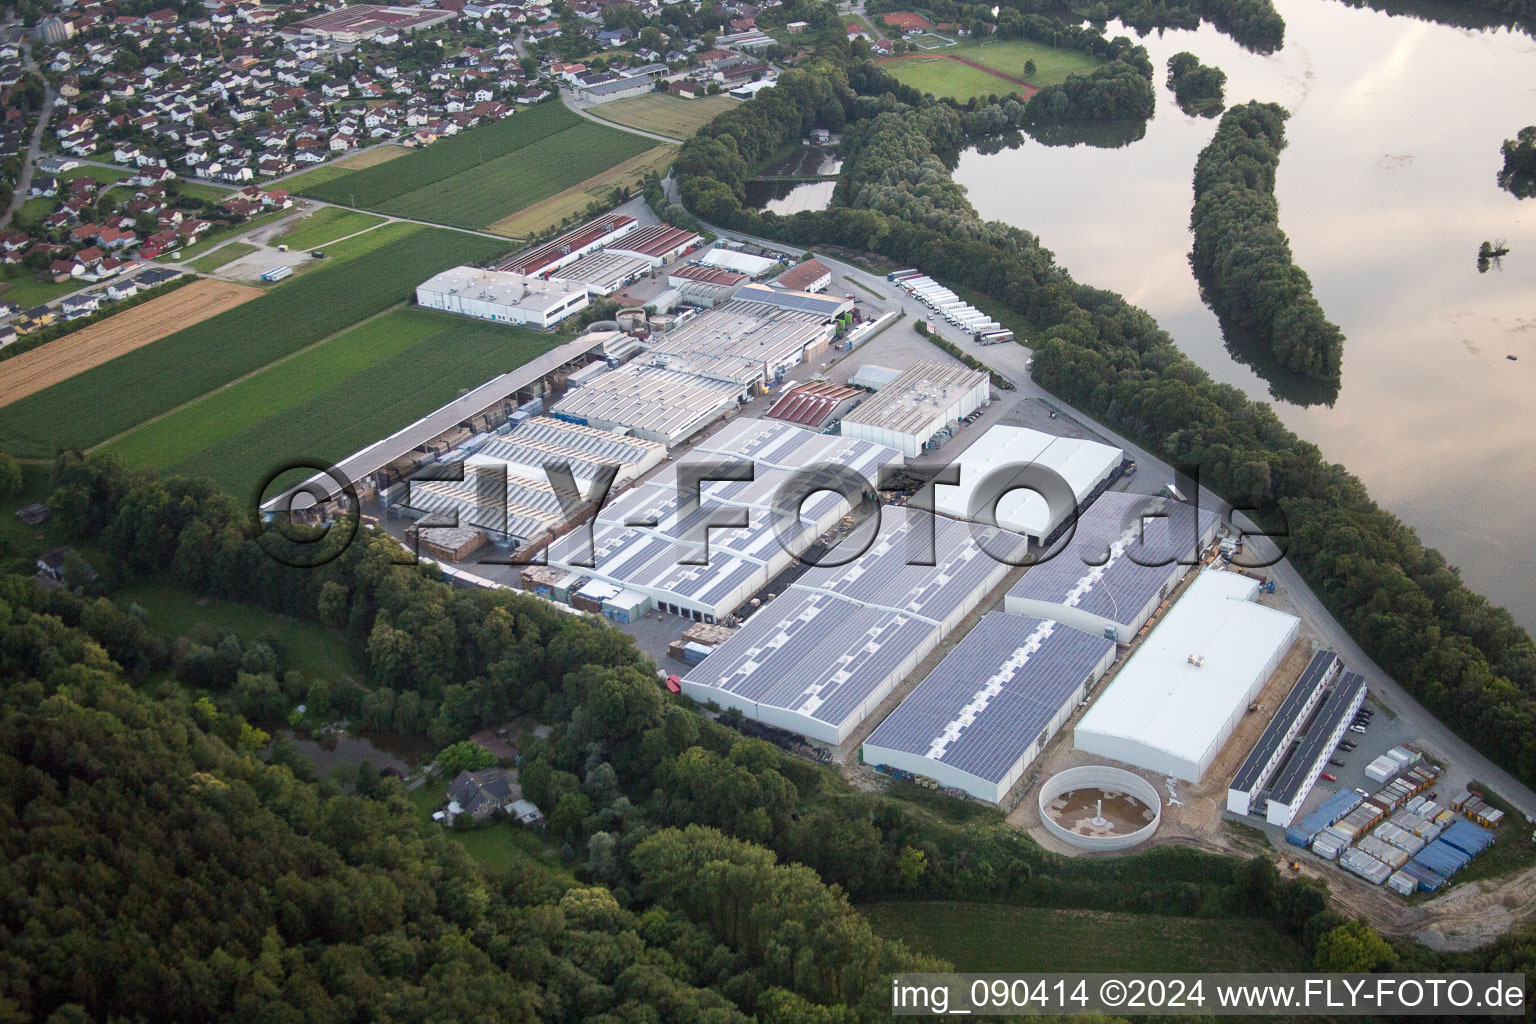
x=951, y=307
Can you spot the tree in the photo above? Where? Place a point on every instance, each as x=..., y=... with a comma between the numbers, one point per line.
x=1029, y=69
x=10, y=476
x=910, y=866
x=1353, y=948
x=466, y=755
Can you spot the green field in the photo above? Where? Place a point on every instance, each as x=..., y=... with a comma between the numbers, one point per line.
x=224, y=254
x=482, y=175
x=117, y=396
x=959, y=81
x=26, y=290
x=664, y=113
x=326, y=225
x=333, y=399
x=173, y=611
x=978, y=937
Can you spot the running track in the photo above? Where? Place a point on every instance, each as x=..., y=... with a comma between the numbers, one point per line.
x=1029, y=90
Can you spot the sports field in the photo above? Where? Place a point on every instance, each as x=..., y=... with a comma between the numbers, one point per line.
x=979, y=937
x=664, y=113
x=333, y=399
x=488, y=173
x=62, y=358
x=326, y=225
x=117, y=396
x=950, y=72
x=576, y=199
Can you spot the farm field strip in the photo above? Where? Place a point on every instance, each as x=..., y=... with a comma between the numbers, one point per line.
x=577, y=198
x=498, y=188
x=372, y=186
x=158, y=377
x=326, y=225
x=402, y=366
x=63, y=358
x=663, y=113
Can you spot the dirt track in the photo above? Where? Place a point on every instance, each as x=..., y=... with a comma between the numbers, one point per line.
x=91, y=346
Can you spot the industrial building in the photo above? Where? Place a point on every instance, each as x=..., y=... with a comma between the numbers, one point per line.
x=571, y=246
x=356, y=22
x=1248, y=793
x=917, y=406
x=1001, y=474
x=652, y=402
x=1178, y=698
x=984, y=714
x=705, y=286
x=1126, y=554
x=650, y=541
x=820, y=657
x=503, y=296
x=741, y=262
x=658, y=244
x=1309, y=758
x=748, y=342
x=815, y=404
x=605, y=271
x=810, y=276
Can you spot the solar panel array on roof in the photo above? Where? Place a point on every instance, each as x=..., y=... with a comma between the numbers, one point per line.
x=990, y=705
x=823, y=655
x=1300, y=770
x=1124, y=555
x=805, y=302
x=1287, y=721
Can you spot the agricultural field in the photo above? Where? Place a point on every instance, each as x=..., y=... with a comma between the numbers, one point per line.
x=979, y=937
x=664, y=113
x=332, y=399
x=155, y=379
x=306, y=181
x=575, y=200
x=133, y=328
x=488, y=173
x=326, y=225
x=220, y=256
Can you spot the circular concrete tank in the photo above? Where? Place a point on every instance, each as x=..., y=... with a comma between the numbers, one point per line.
x=1096, y=807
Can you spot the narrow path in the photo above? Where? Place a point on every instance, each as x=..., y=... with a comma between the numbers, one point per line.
x=34, y=150
x=244, y=377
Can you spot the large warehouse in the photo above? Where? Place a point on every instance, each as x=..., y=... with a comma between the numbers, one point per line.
x=646, y=541
x=502, y=296
x=748, y=341
x=668, y=406
x=571, y=246
x=1178, y=698
x=1126, y=554
x=924, y=400
x=1001, y=471
x=821, y=657
x=988, y=709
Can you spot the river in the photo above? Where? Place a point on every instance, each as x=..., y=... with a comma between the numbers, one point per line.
x=1386, y=189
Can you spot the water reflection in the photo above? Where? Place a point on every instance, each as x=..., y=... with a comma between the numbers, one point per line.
x=1386, y=189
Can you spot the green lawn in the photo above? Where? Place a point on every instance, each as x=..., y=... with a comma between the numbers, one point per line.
x=193, y=190
x=956, y=80
x=333, y=399
x=32, y=211
x=224, y=254
x=325, y=225
x=19, y=541
x=157, y=378
x=27, y=290
x=306, y=646
x=941, y=78
x=499, y=846
x=480, y=176
x=978, y=937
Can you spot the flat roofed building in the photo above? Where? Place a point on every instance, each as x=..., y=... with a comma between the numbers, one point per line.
x=571, y=246
x=828, y=306
x=502, y=296
x=1248, y=792
x=1126, y=553
x=927, y=398
x=605, y=271
x=821, y=656
x=746, y=263
x=984, y=714
x=1178, y=698
x=751, y=344
x=995, y=469
x=658, y=404
x=1309, y=759
x=357, y=22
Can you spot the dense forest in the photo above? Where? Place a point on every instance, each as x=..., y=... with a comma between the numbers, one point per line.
x=1241, y=257
x=1518, y=175
x=1466, y=660
x=1198, y=87
x=1473, y=14
x=702, y=876
x=1256, y=24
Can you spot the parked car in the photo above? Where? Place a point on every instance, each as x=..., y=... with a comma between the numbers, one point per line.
x=1336, y=762
x=1362, y=792
x=1357, y=728
x=1329, y=777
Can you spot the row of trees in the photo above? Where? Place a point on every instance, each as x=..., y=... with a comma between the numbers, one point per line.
x=1465, y=659
x=1241, y=257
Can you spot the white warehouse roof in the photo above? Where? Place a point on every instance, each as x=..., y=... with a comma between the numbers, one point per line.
x=1177, y=700
x=741, y=262
x=999, y=460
